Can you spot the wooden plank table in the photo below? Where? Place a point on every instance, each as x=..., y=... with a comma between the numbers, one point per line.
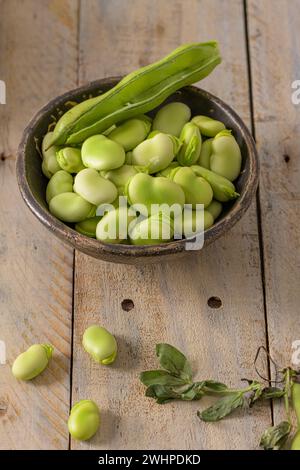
x=48, y=293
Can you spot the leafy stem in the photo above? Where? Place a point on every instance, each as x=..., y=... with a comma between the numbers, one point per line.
x=174, y=382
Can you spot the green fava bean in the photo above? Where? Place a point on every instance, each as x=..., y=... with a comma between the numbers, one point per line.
x=60, y=182
x=171, y=118
x=190, y=151
x=120, y=176
x=50, y=164
x=208, y=126
x=88, y=227
x=196, y=189
x=113, y=227
x=155, y=153
x=100, y=344
x=152, y=134
x=84, y=420
x=206, y=151
x=226, y=158
x=101, y=153
x=94, y=188
x=215, y=209
x=128, y=158
x=156, y=229
x=147, y=190
x=45, y=170
x=192, y=223
x=167, y=171
x=70, y=207
x=32, y=362
x=223, y=189
x=131, y=133
x=69, y=159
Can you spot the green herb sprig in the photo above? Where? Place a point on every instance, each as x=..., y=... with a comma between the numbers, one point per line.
x=175, y=382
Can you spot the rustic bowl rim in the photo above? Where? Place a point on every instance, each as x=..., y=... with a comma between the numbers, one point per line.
x=124, y=253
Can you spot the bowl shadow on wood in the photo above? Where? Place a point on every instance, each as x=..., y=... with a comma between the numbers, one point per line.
x=32, y=182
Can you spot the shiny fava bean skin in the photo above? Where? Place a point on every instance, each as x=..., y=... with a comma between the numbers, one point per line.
x=196, y=189
x=171, y=118
x=84, y=420
x=223, y=189
x=32, y=362
x=208, y=126
x=70, y=207
x=156, y=229
x=147, y=190
x=206, y=151
x=226, y=158
x=94, y=188
x=120, y=176
x=155, y=154
x=167, y=171
x=215, y=208
x=101, y=153
x=60, y=182
x=113, y=227
x=100, y=344
x=69, y=159
x=131, y=133
x=88, y=226
x=50, y=164
x=191, y=145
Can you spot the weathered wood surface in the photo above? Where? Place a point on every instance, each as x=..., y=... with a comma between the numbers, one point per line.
x=170, y=300
x=36, y=270
x=275, y=63
x=99, y=38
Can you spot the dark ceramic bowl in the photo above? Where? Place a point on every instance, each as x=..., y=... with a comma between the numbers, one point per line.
x=32, y=182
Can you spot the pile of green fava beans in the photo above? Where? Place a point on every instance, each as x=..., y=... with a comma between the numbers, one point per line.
x=172, y=159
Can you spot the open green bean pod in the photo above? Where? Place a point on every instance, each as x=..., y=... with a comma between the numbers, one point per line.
x=138, y=92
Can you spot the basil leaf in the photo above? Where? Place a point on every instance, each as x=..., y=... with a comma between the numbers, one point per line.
x=173, y=361
x=222, y=407
x=274, y=437
x=160, y=377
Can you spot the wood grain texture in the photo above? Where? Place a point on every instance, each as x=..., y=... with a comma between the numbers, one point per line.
x=275, y=60
x=36, y=38
x=170, y=299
